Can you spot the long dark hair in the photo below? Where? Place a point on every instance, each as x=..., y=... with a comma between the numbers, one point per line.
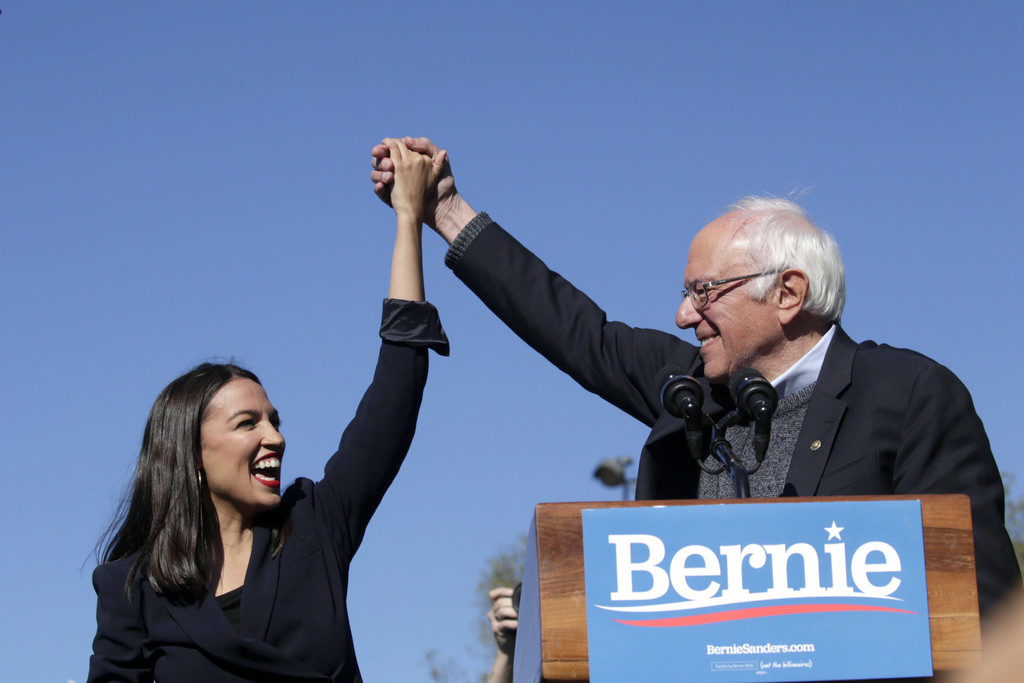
x=168, y=521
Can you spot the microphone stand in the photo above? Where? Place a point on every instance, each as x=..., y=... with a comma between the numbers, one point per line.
x=755, y=399
x=723, y=451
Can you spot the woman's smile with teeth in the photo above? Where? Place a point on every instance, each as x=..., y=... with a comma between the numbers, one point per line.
x=267, y=470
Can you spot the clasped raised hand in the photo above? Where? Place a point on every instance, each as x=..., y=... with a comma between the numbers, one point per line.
x=383, y=175
x=413, y=177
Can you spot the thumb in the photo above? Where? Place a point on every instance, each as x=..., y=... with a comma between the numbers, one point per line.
x=439, y=161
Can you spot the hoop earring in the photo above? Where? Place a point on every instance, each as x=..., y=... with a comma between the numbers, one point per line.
x=200, y=476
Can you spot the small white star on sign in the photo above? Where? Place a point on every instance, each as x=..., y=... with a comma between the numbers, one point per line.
x=834, y=531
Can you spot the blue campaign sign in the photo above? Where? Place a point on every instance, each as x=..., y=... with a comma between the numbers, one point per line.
x=757, y=592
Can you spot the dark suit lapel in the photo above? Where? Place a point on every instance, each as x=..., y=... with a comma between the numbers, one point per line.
x=206, y=625
x=260, y=592
x=821, y=422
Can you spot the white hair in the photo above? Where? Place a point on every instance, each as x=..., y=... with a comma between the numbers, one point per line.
x=780, y=237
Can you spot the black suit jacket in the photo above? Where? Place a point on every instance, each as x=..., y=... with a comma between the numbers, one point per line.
x=880, y=421
x=294, y=620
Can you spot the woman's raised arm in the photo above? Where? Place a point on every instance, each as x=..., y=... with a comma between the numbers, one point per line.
x=415, y=177
x=376, y=441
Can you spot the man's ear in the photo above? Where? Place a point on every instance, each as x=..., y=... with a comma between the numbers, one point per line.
x=790, y=294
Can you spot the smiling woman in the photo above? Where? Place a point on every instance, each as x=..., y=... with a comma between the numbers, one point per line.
x=211, y=572
x=173, y=515
x=241, y=446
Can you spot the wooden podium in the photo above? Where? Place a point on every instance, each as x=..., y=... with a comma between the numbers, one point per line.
x=552, y=636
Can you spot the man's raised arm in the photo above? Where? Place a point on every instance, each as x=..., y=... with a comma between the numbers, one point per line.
x=617, y=362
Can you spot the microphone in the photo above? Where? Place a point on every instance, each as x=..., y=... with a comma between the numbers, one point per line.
x=682, y=397
x=755, y=399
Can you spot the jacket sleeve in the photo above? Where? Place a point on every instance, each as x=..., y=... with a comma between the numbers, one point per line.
x=120, y=632
x=944, y=449
x=375, y=442
x=617, y=362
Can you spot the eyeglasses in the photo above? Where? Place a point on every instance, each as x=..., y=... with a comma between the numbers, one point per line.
x=698, y=291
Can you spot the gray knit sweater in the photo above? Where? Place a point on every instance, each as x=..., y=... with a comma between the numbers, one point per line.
x=770, y=479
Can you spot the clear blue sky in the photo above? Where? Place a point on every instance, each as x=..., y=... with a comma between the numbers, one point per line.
x=187, y=180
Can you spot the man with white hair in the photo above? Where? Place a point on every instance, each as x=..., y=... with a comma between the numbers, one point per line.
x=764, y=289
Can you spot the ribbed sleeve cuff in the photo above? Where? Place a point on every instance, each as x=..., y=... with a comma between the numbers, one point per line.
x=465, y=238
x=413, y=323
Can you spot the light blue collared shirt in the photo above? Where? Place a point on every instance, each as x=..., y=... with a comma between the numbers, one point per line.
x=805, y=371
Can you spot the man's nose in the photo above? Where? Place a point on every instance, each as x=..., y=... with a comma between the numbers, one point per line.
x=687, y=316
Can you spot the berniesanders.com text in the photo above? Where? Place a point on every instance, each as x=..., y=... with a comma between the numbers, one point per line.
x=760, y=649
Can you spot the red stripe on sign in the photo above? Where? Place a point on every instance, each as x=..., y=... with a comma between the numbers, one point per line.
x=756, y=612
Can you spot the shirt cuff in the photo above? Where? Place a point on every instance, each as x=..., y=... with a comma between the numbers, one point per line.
x=462, y=241
x=413, y=323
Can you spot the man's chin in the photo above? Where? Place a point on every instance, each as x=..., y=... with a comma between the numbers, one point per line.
x=715, y=372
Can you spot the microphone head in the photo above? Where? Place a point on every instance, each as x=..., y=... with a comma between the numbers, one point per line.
x=681, y=395
x=742, y=376
x=753, y=395
x=668, y=372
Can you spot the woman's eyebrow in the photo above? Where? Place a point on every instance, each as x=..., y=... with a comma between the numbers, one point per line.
x=245, y=411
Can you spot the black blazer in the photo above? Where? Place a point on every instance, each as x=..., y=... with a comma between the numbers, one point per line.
x=294, y=620
x=888, y=421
